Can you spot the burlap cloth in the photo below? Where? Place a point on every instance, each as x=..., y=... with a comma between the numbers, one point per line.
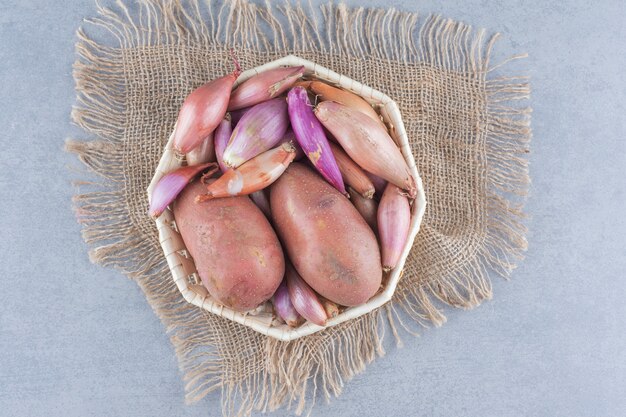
x=468, y=131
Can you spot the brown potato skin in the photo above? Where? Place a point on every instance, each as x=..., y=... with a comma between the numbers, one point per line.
x=327, y=240
x=236, y=251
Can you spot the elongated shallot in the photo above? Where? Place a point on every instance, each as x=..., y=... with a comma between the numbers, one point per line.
x=367, y=207
x=264, y=86
x=205, y=152
x=304, y=298
x=172, y=183
x=252, y=176
x=311, y=137
x=284, y=307
x=351, y=173
x=260, y=129
x=325, y=92
x=394, y=220
x=202, y=111
x=367, y=143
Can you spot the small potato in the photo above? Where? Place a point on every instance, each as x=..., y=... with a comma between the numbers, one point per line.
x=236, y=252
x=329, y=243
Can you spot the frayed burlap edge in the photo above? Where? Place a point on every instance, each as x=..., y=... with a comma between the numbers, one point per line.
x=117, y=241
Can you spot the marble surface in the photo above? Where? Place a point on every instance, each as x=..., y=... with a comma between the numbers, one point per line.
x=80, y=340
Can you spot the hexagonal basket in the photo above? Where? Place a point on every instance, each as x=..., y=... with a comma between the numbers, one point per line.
x=262, y=319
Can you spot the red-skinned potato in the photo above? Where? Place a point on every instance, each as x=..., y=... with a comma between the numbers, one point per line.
x=236, y=252
x=327, y=240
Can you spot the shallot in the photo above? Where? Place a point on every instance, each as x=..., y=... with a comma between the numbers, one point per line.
x=311, y=137
x=172, y=183
x=379, y=184
x=252, y=176
x=351, y=173
x=290, y=137
x=205, y=152
x=236, y=115
x=202, y=111
x=264, y=86
x=394, y=219
x=367, y=143
x=220, y=139
x=260, y=129
x=325, y=92
x=283, y=306
x=303, y=298
x=367, y=207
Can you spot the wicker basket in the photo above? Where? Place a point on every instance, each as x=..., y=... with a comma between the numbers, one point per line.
x=262, y=319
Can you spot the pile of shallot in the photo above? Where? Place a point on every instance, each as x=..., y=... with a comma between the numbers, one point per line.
x=314, y=250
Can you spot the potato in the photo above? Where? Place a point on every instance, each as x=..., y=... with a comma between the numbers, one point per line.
x=327, y=240
x=236, y=251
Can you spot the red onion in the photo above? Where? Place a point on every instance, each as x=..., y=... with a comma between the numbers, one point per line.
x=260, y=129
x=394, y=219
x=311, y=137
x=172, y=183
x=283, y=306
x=304, y=298
x=367, y=142
x=264, y=86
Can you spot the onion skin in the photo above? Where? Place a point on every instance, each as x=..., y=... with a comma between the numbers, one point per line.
x=260, y=129
x=367, y=143
x=303, y=298
x=311, y=137
x=202, y=111
x=394, y=220
x=352, y=174
x=205, y=152
x=284, y=308
x=264, y=86
x=260, y=199
x=171, y=184
x=220, y=140
x=326, y=92
x=252, y=176
x=367, y=207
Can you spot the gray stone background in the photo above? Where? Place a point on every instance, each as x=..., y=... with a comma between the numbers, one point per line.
x=80, y=340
